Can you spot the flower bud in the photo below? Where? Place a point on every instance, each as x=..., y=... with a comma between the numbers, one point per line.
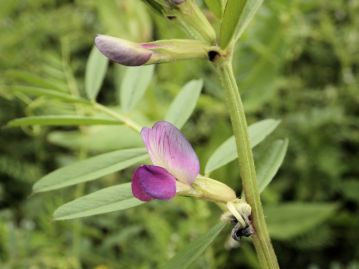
x=136, y=54
x=122, y=51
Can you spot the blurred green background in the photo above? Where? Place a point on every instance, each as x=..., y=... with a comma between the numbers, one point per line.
x=298, y=62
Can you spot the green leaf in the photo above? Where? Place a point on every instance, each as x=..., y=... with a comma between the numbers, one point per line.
x=215, y=6
x=269, y=162
x=36, y=91
x=231, y=16
x=106, y=200
x=227, y=151
x=113, y=137
x=90, y=169
x=61, y=121
x=134, y=85
x=288, y=220
x=194, y=250
x=249, y=11
x=184, y=103
x=95, y=73
x=260, y=130
x=35, y=80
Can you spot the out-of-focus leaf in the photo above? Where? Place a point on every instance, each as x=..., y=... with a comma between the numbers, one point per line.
x=61, y=121
x=90, y=169
x=192, y=251
x=215, y=6
x=184, y=103
x=113, y=137
x=232, y=14
x=35, y=91
x=134, y=85
x=95, y=72
x=122, y=235
x=286, y=221
x=269, y=162
x=35, y=80
x=135, y=21
x=227, y=151
x=350, y=189
x=106, y=200
x=249, y=11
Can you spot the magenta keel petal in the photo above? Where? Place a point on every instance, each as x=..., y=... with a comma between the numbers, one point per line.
x=137, y=189
x=153, y=182
x=168, y=148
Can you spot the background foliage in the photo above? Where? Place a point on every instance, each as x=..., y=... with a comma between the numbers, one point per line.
x=298, y=62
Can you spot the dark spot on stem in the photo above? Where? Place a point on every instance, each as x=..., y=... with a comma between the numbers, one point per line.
x=212, y=55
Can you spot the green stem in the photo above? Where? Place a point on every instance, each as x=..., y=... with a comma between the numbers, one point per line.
x=261, y=239
x=133, y=125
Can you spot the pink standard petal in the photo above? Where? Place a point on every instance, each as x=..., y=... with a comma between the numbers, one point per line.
x=153, y=182
x=168, y=148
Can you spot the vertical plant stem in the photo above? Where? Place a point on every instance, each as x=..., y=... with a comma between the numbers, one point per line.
x=261, y=239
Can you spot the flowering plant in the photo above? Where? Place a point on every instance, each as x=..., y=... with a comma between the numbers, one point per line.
x=175, y=168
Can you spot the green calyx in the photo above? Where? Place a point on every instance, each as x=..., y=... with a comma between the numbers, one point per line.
x=207, y=189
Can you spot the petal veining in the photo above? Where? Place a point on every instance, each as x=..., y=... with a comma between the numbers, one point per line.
x=168, y=148
x=153, y=182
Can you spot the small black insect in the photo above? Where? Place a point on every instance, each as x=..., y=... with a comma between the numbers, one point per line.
x=238, y=231
x=242, y=228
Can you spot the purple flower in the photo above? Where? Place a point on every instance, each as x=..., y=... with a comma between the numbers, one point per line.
x=173, y=158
